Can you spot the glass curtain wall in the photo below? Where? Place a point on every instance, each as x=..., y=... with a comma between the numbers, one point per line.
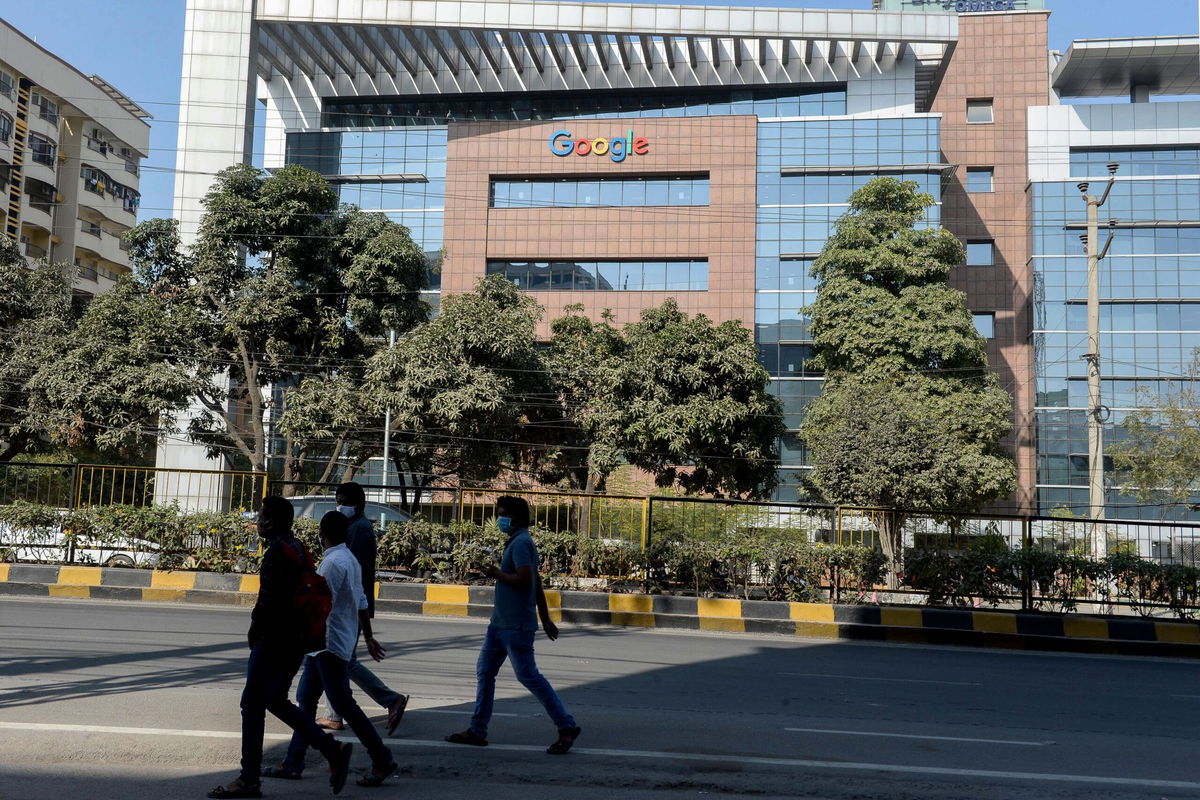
x=1149, y=309
x=801, y=193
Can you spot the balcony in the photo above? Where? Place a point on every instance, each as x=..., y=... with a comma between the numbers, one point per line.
x=98, y=243
x=33, y=251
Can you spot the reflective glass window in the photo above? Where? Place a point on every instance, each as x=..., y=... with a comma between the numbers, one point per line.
x=985, y=324
x=980, y=254
x=667, y=275
x=979, y=179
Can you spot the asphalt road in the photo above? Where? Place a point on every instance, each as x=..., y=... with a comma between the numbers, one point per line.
x=113, y=700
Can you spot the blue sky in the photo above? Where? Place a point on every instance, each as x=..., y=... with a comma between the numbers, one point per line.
x=136, y=46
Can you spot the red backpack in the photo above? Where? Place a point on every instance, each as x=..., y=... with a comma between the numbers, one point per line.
x=311, y=603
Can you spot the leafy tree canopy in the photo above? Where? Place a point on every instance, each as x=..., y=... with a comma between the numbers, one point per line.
x=683, y=399
x=910, y=416
x=1157, y=454
x=283, y=284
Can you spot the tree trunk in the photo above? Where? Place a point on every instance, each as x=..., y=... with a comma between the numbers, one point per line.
x=891, y=539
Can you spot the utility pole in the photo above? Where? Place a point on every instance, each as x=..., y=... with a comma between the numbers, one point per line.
x=1096, y=410
x=387, y=431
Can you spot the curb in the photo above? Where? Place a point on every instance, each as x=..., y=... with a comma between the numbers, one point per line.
x=912, y=624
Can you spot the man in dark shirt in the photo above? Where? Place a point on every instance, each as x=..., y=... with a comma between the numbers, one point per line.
x=276, y=651
x=352, y=501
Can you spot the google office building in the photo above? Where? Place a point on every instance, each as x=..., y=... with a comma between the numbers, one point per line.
x=615, y=155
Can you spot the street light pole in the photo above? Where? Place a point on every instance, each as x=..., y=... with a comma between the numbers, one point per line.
x=387, y=431
x=1095, y=407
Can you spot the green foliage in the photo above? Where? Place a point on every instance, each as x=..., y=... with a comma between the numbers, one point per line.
x=35, y=313
x=281, y=283
x=459, y=386
x=1158, y=455
x=214, y=541
x=678, y=397
x=910, y=416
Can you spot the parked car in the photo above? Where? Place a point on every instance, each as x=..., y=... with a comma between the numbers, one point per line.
x=51, y=545
x=315, y=506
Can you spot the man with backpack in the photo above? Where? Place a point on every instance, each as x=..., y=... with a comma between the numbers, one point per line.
x=328, y=669
x=277, y=639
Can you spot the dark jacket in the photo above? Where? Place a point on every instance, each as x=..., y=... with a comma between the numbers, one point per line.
x=362, y=543
x=272, y=621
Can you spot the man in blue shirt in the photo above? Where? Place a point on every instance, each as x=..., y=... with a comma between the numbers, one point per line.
x=518, y=603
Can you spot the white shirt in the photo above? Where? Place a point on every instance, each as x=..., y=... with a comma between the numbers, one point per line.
x=342, y=572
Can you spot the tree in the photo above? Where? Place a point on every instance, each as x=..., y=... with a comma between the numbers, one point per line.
x=118, y=375
x=1158, y=456
x=284, y=285
x=910, y=417
x=459, y=388
x=584, y=449
x=35, y=311
x=680, y=398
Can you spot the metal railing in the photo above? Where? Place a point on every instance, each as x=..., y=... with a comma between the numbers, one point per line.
x=79, y=485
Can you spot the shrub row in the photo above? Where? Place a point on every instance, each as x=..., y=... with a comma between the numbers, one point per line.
x=1054, y=581
x=749, y=563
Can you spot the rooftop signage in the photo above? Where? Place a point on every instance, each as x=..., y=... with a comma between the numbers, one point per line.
x=960, y=6
x=616, y=148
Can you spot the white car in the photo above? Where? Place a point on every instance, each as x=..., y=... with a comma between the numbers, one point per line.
x=52, y=546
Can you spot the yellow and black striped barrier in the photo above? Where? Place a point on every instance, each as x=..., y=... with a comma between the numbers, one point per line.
x=915, y=624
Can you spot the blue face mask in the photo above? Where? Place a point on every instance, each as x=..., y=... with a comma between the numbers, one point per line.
x=505, y=524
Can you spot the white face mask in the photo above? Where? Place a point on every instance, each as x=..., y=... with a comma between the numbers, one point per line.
x=349, y=511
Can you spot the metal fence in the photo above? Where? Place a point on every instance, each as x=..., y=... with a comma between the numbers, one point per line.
x=80, y=485
x=635, y=522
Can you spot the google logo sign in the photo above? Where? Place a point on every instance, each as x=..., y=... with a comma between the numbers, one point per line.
x=561, y=144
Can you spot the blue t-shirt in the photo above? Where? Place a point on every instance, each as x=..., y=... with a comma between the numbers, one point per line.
x=513, y=608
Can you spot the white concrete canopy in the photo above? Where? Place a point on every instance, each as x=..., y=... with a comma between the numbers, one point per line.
x=405, y=47
x=1165, y=65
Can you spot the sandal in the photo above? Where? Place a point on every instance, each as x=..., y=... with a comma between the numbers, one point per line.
x=396, y=713
x=239, y=790
x=281, y=772
x=339, y=767
x=467, y=737
x=377, y=776
x=566, y=738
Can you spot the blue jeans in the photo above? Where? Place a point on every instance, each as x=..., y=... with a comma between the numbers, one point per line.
x=507, y=643
x=328, y=673
x=369, y=682
x=269, y=675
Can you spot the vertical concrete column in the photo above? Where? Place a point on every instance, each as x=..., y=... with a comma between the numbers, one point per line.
x=216, y=101
x=216, y=130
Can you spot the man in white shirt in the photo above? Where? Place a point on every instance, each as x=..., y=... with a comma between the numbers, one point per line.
x=326, y=670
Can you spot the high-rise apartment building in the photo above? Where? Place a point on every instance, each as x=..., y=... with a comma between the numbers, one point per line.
x=71, y=147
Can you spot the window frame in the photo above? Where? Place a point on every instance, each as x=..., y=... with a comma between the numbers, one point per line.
x=990, y=316
x=978, y=103
x=990, y=172
x=991, y=262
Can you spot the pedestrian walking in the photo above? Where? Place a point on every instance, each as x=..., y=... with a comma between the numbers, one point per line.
x=276, y=638
x=519, y=601
x=352, y=501
x=328, y=669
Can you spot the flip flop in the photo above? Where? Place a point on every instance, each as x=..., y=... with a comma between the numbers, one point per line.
x=377, y=776
x=566, y=738
x=467, y=737
x=282, y=773
x=340, y=764
x=396, y=713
